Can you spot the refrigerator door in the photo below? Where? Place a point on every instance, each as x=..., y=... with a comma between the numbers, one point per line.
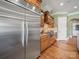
x=11, y=31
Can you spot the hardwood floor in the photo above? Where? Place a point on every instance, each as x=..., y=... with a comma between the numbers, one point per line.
x=61, y=50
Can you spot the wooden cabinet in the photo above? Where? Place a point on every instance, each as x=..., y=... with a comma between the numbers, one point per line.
x=46, y=41
x=47, y=24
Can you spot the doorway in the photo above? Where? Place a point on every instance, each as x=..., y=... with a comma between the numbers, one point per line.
x=74, y=30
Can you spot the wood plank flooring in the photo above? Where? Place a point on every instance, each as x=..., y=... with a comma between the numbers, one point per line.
x=61, y=50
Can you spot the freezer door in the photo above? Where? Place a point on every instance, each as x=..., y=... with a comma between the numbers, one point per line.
x=11, y=39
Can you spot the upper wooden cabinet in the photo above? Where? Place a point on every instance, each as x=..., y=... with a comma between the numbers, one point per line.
x=36, y=3
x=47, y=19
x=47, y=23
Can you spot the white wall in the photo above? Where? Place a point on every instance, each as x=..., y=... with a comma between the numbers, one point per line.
x=62, y=28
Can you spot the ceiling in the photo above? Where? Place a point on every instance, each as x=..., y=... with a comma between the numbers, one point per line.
x=68, y=6
x=51, y=5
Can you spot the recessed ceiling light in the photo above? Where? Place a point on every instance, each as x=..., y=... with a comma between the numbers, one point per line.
x=16, y=0
x=75, y=7
x=33, y=8
x=61, y=4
